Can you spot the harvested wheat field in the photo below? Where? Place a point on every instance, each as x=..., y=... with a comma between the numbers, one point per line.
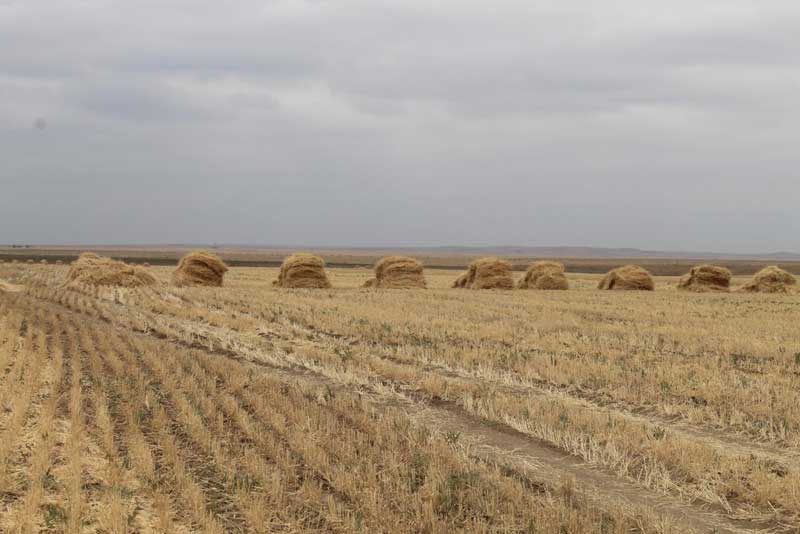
x=199, y=268
x=771, y=279
x=95, y=270
x=303, y=271
x=627, y=278
x=544, y=275
x=250, y=409
x=398, y=272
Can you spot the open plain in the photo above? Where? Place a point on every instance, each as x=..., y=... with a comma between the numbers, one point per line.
x=249, y=408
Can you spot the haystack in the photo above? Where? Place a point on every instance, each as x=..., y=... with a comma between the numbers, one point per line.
x=544, y=275
x=199, y=268
x=628, y=278
x=487, y=273
x=703, y=278
x=398, y=272
x=303, y=271
x=94, y=270
x=771, y=279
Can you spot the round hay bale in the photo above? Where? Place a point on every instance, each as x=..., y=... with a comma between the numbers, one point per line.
x=145, y=264
x=199, y=268
x=544, y=275
x=628, y=278
x=399, y=272
x=704, y=278
x=370, y=283
x=95, y=270
x=771, y=279
x=487, y=273
x=29, y=261
x=43, y=262
x=303, y=271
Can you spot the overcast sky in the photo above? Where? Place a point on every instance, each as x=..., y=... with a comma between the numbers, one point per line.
x=669, y=125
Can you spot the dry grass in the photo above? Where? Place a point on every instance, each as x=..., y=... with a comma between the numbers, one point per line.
x=247, y=407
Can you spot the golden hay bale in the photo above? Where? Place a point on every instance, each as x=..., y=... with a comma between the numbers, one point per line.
x=399, y=272
x=370, y=283
x=702, y=278
x=771, y=279
x=29, y=261
x=199, y=268
x=94, y=270
x=43, y=262
x=303, y=271
x=487, y=273
x=145, y=264
x=628, y=278
x=544, y=275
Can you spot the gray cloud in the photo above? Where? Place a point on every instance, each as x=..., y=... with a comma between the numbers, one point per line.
x=362, y=122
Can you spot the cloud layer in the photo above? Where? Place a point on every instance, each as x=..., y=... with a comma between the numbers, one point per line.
x=363, y=122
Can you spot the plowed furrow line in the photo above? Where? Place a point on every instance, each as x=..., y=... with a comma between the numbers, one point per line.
x=199, y=415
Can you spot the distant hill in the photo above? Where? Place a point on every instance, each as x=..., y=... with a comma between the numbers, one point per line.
x=601, y=252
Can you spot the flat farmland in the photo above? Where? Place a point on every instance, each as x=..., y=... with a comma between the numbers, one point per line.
x=254, y=409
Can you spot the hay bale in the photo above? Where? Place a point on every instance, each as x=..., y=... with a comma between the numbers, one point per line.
x=628, y=278
x=29, y=261
x=145, y=264
x=487, y=273
x=303, y=271
x=43, y=262
x=399, y=272
x=199, y=268
x=544, y=275
x=59, y=262
x=95, y=270
x=771, y=279
x=703, y=278
x=370, y=283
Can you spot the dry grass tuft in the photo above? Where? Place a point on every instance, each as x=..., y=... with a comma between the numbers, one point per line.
x=199, y=268
x=703, y=278
x=628, y=278
x=8, y=287
x=487, y=273
x=303, y=271
x=544, y=275
x=771, y=279
x=94, y=270
x=398, y=272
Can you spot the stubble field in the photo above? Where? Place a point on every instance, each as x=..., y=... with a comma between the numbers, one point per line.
x=253, y=409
